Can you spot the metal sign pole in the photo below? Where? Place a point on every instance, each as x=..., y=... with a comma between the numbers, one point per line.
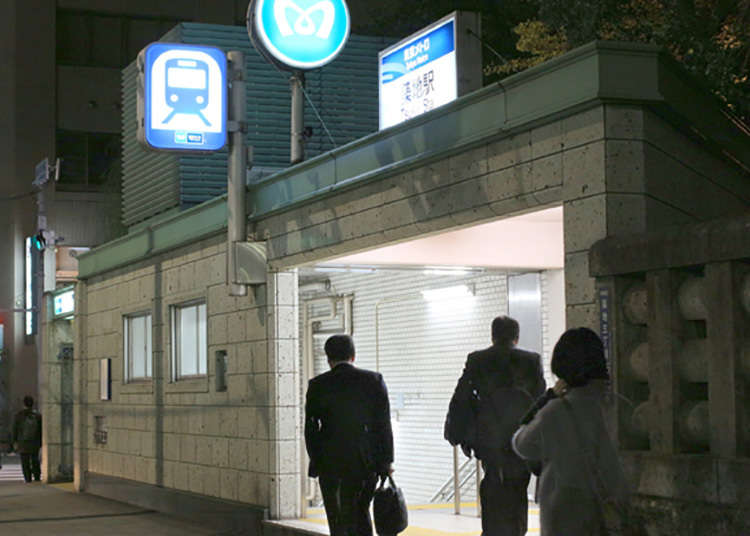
x=297, y=152
x=236, y=187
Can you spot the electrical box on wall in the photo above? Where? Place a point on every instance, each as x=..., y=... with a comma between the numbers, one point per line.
x=221, y=371
x=105, y=379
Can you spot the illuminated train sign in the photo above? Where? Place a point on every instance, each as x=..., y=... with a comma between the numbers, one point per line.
x=185, y=97
x=298, y=34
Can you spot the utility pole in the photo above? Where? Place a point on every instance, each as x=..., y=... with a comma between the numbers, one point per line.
x=236, y=187
x=297, y=152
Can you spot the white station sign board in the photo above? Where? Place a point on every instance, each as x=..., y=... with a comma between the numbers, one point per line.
x=184, y=97
x=418, y=73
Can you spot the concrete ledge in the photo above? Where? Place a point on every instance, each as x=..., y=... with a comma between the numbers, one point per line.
x=719, y=240
x=691, y=478
x=226, y=517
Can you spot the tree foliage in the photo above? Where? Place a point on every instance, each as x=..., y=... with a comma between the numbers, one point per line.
x=710, y=38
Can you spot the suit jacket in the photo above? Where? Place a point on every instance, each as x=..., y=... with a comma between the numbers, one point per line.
x=485, y=370
x=348, y=423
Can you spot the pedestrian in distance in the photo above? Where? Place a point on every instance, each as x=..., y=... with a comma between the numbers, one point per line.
x=567, y=433
x=348, y=437
x=497, y=387
x=27, y=439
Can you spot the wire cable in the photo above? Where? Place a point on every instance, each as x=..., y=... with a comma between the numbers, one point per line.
x=315, y=109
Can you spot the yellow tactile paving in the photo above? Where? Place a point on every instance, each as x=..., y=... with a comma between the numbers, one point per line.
x=65, y=486
x=433, y=512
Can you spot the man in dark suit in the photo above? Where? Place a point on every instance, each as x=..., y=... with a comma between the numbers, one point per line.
x=498, y=384
x=348, y=437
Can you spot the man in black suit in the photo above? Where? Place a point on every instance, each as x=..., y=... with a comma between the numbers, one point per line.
x=497, y=386
x=348, y=437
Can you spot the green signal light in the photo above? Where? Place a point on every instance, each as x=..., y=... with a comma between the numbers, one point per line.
x=38, y=241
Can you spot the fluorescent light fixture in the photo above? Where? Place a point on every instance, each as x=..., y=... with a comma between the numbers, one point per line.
x=446, y=293
x=449, y=270
x=343, y=269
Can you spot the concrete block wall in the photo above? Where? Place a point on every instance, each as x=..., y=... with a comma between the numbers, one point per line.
x=561, y=162
x=186, y=435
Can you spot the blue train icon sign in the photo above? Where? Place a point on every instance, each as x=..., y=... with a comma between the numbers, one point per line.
x=298, y=34
x=187, y=88
x=184, y=104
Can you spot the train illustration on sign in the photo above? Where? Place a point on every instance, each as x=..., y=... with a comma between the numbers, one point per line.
x=186, y=88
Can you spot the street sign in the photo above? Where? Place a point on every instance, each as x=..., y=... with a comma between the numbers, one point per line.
x=184, y=96
x=418, y=73
x=298, y=34
x=41, y=173
x=64, y=303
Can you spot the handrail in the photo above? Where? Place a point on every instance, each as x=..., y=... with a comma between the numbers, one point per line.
x=459, y=482
x=441, y=492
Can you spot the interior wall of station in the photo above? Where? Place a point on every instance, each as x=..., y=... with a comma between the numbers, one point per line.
x=420, y=347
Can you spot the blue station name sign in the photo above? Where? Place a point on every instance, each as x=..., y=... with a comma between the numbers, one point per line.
x=184, y=97
x=418, y=73
x=298, y=34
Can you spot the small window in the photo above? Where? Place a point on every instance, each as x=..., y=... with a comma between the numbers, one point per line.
x=189, y=347
x=137, y=340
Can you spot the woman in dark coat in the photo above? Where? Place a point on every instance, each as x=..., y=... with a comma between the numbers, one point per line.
x=569, y=437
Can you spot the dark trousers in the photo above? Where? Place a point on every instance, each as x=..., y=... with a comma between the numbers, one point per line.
x=30, y=465
x=504, y=503
x=347, y=504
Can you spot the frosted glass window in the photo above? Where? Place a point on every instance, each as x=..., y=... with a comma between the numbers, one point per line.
x=189, y=349
x=138, y=356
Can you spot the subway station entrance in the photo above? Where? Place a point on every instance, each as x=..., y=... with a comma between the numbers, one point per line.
x=415, y=310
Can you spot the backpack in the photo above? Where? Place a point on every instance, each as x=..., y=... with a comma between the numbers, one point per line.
x=500, y=402
x=498, y=418
x=29, y=427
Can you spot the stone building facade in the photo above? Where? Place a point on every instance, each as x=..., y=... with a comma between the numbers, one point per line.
x=612, y=133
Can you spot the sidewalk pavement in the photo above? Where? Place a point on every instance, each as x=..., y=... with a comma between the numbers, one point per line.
x=37, y=509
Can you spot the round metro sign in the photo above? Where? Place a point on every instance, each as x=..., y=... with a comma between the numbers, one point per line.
x=298, y=34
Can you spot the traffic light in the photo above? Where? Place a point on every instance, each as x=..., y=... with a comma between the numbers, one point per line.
x=38, y=242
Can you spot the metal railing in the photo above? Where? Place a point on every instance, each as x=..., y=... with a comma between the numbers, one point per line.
x=462, y=474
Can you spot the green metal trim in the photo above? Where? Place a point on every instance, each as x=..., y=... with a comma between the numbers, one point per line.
x=590, y=75
x=193, y=224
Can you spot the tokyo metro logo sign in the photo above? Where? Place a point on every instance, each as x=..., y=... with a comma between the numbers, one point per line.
x=299, y=34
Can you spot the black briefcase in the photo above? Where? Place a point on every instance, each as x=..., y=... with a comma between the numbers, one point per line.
x=389, y=508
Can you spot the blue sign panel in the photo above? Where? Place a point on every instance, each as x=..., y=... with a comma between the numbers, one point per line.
x=185, y=97
x=419, y=73
x=425, y=49
x=301, y=34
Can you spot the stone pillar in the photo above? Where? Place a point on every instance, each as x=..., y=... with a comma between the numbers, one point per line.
x=285, y=428
x=80, y=382
x=55, y=392
x=664, y=330
x=726, y=386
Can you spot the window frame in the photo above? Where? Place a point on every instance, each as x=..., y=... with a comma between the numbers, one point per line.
x=128, y=361
x=201, y=343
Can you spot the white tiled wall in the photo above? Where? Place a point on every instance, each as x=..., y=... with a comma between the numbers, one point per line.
x=421, y=349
